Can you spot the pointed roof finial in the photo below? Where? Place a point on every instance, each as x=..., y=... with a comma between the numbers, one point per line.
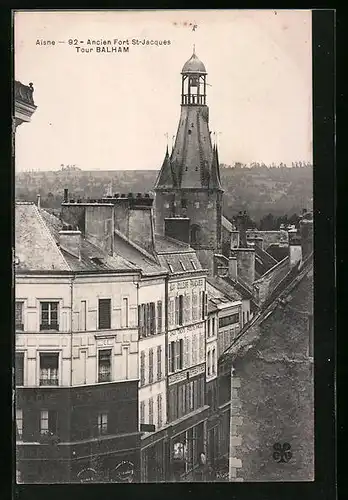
x=194, y=49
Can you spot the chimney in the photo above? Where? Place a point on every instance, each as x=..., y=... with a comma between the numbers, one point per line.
x=232, y=268
x=234, y=239
x=140, y=222
x=306, y=232
x=241, y=226
x=70, y=241
x=38, y=201
x=66, y=195
x=245, y=258
x=295, y=248
x=177, y=228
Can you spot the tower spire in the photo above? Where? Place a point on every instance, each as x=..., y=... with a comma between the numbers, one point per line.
x=194, y=49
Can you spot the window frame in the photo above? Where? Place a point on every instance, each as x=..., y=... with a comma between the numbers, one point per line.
x=100, y=350
x=99, y=328
x=102, y=426
x=20, y=354
x=42, y=354
x=19, y=431
x=50, y=325
x=19, y=326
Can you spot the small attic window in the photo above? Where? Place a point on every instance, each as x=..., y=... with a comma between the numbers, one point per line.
x=182, y=266
x=170, y=267
x=193, y=265
x=97, y=261
x=189, y=132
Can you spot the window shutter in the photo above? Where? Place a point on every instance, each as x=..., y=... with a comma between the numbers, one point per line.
x=159, y=410
x=159, y=316
x=151, y=366
x=104, y=314
x=152, y=318
x=181, y=353
x=186, y=359
x=159, y=362
x=203, y=305
x=176, y=310
x=151, y=411
x=181, y=309
x=142, y=412
x=142, y=368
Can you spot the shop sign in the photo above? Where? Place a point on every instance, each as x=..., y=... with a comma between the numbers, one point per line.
x=124, y=472
x=87, y=475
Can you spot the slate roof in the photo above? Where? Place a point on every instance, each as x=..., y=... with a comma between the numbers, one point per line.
x=93, y=258
x=176, y=256
x=35, y=247
x=222, y=289
x=249, y=333
x=194, y=162
x=194, y=65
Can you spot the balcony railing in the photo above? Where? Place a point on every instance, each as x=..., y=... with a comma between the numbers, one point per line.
x=52, y=326
x=49, y=381
x=104, y=377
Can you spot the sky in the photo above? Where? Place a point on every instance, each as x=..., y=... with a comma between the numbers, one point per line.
x=117, y=111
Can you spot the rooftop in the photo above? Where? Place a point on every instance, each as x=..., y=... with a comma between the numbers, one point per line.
x=194, y=65
x=249, y=334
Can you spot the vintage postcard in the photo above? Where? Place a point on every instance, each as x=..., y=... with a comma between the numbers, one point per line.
x=163, y=246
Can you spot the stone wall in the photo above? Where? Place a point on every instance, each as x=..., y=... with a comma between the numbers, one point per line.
x=275, y=400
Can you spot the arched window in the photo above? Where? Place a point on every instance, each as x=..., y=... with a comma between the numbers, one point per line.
x=195, y=233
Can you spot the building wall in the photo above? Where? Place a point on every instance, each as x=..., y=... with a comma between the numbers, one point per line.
x=153, y=291
x=226, y=334
x=267, y=283
x=203, y=209
x=211, y=346
x=267, y=408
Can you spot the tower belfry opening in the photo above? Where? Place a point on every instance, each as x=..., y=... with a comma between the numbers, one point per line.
x=193, y=82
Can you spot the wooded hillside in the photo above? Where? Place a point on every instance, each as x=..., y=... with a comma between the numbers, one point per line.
x=258, y=189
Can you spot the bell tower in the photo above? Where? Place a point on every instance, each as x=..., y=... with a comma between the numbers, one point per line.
x=188, y=184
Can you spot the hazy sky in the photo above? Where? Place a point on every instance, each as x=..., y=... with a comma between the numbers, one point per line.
x=111, y=111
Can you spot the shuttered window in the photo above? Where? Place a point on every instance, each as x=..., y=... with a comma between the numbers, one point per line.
x=150, y=366
x=203, y=305
x=151, y=411
x=104, y=315
x=159, y=362
x=159, y=410
x=181, y=309
x=159, y=316
x=142, y=412
x=152, y=318
x=142, y=368
x=176, y=310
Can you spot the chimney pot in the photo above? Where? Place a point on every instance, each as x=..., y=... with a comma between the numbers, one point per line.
x=130, y=195
x=38, y=201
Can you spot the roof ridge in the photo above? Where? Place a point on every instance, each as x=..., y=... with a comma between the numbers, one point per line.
x=269, y=308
